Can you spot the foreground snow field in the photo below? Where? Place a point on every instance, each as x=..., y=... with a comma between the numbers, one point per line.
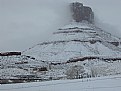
x=110, y=83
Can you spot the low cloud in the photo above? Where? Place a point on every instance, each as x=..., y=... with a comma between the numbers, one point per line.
x=24, y=23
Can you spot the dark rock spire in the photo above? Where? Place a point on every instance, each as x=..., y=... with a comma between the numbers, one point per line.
x=82, y=13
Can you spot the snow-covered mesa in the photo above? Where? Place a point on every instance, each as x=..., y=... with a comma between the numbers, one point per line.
x=74, y=40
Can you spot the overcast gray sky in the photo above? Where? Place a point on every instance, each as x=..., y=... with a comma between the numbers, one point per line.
x=24, y=23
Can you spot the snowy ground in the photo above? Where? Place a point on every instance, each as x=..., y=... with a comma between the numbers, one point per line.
x=111, y=83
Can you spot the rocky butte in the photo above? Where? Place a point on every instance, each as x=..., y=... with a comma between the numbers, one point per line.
x=77, y=50
x=81, y=12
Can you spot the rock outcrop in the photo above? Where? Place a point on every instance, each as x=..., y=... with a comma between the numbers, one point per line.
x=10, y=53
x=82, y=13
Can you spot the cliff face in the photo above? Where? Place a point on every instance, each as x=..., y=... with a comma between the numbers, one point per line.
x=81, y=13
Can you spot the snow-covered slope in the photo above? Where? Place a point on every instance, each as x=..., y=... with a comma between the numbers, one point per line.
x=77, y=45
x=83, y=45
x=11, y=66
x=76, y=40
